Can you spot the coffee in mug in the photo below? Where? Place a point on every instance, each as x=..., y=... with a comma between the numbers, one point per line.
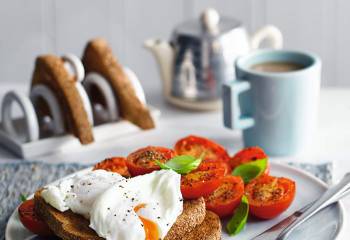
x=276, y=104
x=277, y=66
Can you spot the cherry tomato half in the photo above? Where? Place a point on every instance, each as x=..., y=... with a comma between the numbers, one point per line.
x=195, y=146
x=31, y=221
x=114, y=164
x=200, y=183
x=143, y=160
x=269, y=196
x=249, y=154
x=205, y=166
x=224, y=200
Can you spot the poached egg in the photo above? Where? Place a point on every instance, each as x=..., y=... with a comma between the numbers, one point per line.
x=143, y=207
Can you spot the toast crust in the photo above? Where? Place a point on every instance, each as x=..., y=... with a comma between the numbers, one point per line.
x=193, y=214
x=98, y=57
x=70, y=226
x=209, y=229
x=50, y=71
x=67, y=225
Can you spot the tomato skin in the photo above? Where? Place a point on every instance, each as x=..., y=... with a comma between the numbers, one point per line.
x=195, y=146
x=31, y=221
x=270, y=208
x=224, y=200
x=249, y=154
x=200, y=183
x=142, y=161
x=114, y=164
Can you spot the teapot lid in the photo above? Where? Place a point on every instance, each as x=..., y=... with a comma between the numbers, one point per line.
x=210, y=24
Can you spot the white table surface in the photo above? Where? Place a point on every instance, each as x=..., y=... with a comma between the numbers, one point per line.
x=331, y=144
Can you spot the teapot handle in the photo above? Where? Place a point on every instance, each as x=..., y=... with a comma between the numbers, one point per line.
x=269, y=32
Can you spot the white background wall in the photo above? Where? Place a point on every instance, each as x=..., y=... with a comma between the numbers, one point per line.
x=32, y=27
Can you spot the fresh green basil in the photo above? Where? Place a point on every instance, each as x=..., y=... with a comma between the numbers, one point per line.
x=239, y=218
x=23, y=197
x=181, y=164
x=251, y=170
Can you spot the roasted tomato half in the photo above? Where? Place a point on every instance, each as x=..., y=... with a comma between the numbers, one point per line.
x=269, y=196
x=143, y=160
x=114, y=164
x=31, y=221
x=195, y=146
x=200, y=183
x=224, y=200
x=247, y=155
x=205, y=166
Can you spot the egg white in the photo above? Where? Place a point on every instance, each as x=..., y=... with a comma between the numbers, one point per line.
x=108, y=200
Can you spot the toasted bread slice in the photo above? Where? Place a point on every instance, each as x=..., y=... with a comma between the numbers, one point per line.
x=50, y=71
x=98, y=57
x=193, y=214
x=70, y=226
x=209, y=229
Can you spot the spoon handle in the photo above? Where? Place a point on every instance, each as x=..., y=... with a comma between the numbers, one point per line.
x=332, y=195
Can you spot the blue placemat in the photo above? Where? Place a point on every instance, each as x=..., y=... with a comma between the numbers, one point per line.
x=25, y=177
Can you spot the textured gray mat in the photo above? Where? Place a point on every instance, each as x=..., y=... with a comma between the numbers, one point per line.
x=25, y=177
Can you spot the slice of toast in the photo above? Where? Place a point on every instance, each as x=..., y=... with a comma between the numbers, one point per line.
x=192, y=215
x=210, y=228
x=70, y=226
x=50, y=71
x=98, y=57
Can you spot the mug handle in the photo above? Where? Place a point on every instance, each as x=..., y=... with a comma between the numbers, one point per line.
x=232, y=112
x=269, y=32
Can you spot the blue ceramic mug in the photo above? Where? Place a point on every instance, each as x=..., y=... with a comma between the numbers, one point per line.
x=276, y=110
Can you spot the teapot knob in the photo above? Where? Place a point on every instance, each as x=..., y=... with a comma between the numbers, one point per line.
x=210, y=19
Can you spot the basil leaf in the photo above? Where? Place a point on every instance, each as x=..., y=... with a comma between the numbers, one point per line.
x=23, y=197
x=251, y=170
x=181, y=164
x=239, y=218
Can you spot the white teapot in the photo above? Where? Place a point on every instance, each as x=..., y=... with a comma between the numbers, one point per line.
x=200, y=58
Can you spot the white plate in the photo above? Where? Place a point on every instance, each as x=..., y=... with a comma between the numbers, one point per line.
x=326, y=225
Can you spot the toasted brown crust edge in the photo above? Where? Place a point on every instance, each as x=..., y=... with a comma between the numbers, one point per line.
x=67, y=225
x=193, y=214
x=70, y=226
x=49, y=70
x=98, y=57
x=209, y=229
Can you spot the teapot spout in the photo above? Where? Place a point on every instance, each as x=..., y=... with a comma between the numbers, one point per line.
x=164, y=54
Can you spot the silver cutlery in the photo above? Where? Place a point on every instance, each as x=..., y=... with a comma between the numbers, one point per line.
x=283, y=229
